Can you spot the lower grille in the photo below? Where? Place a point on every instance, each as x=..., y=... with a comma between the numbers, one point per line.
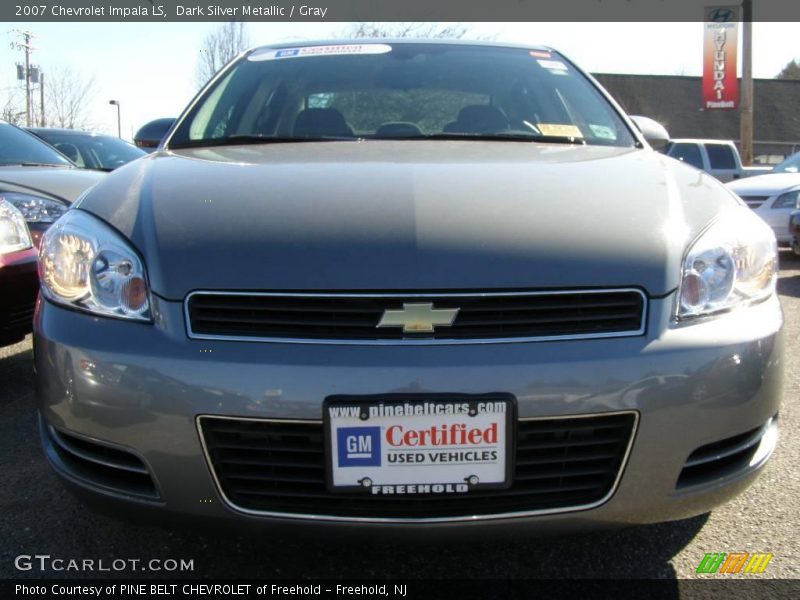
x=279, y=467
x=721, y=458
x=355, y=317
x=100, y=465
x=21, y=316
x=17, y=320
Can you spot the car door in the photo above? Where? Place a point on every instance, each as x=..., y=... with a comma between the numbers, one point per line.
x=722, y=162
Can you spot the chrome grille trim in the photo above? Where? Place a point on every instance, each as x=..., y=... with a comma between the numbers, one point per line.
x=411, y=342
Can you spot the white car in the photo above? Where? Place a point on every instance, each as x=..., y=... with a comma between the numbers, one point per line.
x=773, y=196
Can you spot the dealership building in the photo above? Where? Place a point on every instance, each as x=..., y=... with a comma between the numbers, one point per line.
x=675, y=101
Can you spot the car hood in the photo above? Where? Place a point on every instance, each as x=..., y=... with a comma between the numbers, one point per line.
x=408, y=215
x=58, y=182
x=765, y=185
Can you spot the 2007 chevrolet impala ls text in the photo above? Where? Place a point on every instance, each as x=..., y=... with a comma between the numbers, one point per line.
x=409, y=285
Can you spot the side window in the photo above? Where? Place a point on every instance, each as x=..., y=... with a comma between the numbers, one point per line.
x=688, y=153
x=720, y=156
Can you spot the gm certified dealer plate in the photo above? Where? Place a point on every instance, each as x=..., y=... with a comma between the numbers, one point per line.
x=418, y=444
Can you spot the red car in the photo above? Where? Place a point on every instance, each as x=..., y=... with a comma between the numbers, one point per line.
x=18, y=280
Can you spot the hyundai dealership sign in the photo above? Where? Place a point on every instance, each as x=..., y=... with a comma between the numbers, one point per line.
x=720, y=86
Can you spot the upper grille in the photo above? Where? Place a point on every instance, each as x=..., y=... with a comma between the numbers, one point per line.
x=594, y=313
x=754, y=201
x=279, y=467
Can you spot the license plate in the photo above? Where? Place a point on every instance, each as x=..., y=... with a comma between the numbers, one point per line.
x=440, y=444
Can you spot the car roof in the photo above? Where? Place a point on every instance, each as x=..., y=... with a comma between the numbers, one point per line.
x=443, y=42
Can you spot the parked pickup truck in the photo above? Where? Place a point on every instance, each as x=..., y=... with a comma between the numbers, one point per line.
x=720, y=158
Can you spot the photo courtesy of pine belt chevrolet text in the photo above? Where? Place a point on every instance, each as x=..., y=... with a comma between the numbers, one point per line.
x=409, y=285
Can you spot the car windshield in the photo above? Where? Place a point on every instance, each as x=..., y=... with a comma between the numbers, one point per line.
x=92, y=151
x=790, y=165
x=18, y=147
x=401, y=91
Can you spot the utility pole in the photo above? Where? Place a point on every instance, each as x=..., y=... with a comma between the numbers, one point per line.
x=26, y=46
x=42, y=120
x=119, y=122
x=746, y=106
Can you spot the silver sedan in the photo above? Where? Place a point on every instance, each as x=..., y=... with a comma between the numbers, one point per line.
x=409, y=285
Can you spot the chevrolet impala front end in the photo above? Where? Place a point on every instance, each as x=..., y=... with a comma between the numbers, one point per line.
x=409, y=284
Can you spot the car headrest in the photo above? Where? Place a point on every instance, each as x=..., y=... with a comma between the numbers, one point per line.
x=313, y=122
x=478, y=118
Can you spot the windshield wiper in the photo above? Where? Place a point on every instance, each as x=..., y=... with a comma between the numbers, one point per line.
x=492, y=137
x=237, y=140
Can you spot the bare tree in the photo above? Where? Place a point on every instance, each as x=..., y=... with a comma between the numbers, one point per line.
x=405, y=30
x=219, y=47
x=13, y=107
x=67, y=98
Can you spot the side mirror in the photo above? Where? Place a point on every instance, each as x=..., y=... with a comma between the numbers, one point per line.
x=653, y=131
x=150, y=134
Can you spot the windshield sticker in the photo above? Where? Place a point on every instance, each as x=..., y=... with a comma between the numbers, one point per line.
x=540, y=54
x=553, y=65
x=603, y=132
x=560, y=130
x=336, y=50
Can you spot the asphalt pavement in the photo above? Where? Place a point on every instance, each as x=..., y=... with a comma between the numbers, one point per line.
x=40, y=517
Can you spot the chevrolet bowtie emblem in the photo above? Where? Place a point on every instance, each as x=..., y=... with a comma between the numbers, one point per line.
x=418, y=318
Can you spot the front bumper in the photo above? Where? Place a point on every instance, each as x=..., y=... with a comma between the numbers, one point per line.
x=140, y=389
x=19, y=283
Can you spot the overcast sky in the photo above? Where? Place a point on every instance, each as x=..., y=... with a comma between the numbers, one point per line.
x=150, y=68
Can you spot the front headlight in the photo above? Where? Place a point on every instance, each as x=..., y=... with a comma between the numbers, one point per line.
x=14, y=234
x=733, y=263
x=788, y=200
x=36, y=209
x=85, y=264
